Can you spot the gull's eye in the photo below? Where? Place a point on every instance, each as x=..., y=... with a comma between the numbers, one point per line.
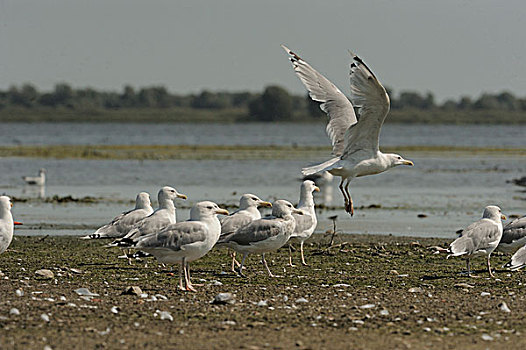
x=254, y=199
x=209, y=207
x=399, y=157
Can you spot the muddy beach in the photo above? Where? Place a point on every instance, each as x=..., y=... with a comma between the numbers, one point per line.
x=369, y=292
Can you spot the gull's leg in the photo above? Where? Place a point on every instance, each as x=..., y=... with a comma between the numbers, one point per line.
x=467, y=266
x=489, y=267
x=266, y=266
x=240, y=269
x=302, y=256
x=189, y=286
x=290, y=256
x=234, y=261
x=181, y=272
x=346, y=201
x=349, y=207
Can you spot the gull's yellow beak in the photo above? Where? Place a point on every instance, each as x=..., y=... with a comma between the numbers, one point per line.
x=408, y=162
x=265, y=204
x=316, y=189
x=503, y=217
x=221, y=211
x=182, y=196
x=298, y=211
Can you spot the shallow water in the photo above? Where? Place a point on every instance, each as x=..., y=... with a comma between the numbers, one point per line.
x=450, y=189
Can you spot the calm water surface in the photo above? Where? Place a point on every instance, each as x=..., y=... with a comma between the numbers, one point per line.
x=450, y=190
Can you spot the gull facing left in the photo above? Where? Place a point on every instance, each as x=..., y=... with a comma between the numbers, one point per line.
x=6, y=223
x=182, y=242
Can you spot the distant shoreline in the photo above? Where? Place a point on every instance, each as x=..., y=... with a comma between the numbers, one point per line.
x=239, y=115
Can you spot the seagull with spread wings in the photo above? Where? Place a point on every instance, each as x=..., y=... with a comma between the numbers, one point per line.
x=354, y=136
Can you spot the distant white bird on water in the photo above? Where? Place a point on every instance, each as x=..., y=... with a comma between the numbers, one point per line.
x=263, y=235
x=6, y=223
x=247, y=212
x=479, y=238
x=123, y=223
x=513, y=237
x=182, y=242
x=39, y=180
x=354, y=137
x=306, y=223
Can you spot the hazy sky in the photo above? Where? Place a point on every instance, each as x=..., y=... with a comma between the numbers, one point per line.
x=450, y=48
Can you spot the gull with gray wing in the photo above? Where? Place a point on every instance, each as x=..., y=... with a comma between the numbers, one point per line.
x=263, y=235
x=247, y=212
x=182, y=242
x=354, y=137
x=123, y=223
x=513, y=237
x=479, y=238
x=306, y=223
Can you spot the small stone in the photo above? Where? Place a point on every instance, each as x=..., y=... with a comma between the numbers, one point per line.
x=76, y=271
x=367, y=306
x=487, y=337
x=19, y=293
x=164, y=315
x=485, y=294
x=47, y=347
x=262, y=303
x=44, y=273
x=384, y=312
x=215, y=283
x=115, y=310
x=133, y=290
x=358, y=322
x=394, y=272
x=14, y=311
x=85, y=292
x=340, y=285
x=44, y=317
x=463, y=285
x=301, y=301
x=299, y=343
x=504, y=307
x=160, y=296
x=224, y=298
x=415, y=290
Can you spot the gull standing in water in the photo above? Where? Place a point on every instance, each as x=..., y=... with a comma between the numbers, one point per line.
x=123, y=223
x=182, y=242
x=306, y=223
x=480, y=238
x=513, y=237
x=39, y=180
x=263, y=235
x=247, y=212
x=354, y=136
x=6, y=223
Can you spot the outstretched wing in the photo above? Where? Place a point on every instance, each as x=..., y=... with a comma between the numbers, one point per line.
x=370, y=98
x=333, y=101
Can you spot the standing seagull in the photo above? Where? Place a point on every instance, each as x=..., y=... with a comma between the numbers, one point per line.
x=161, y=217
x=306, y=223
x=247, y=212
x=123, y=223
x=263, y=235
x=182, y=242
x=354, y=137
x=39, y=180
x=513, y=237
x=479, y=238
x=6, y=223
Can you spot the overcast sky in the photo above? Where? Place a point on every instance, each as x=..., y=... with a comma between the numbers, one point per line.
x=449, y=48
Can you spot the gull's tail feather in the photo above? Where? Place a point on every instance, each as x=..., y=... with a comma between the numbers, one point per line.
x=123, y=243
x=460, y=246
x=518, y=260
x=328, y=165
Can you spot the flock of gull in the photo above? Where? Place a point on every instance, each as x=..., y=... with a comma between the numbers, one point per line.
x=353, y=127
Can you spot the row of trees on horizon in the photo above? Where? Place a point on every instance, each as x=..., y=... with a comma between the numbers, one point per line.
x=274, y=103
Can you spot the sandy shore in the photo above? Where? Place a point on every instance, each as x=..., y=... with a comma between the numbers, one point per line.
x=372, y=292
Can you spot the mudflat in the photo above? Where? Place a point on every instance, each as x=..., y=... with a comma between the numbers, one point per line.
x=366, y=292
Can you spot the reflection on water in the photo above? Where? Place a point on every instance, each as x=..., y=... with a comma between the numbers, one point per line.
x=34, y=191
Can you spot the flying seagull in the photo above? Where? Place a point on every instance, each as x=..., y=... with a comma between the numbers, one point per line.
x=354, y=136
x=479, y=238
